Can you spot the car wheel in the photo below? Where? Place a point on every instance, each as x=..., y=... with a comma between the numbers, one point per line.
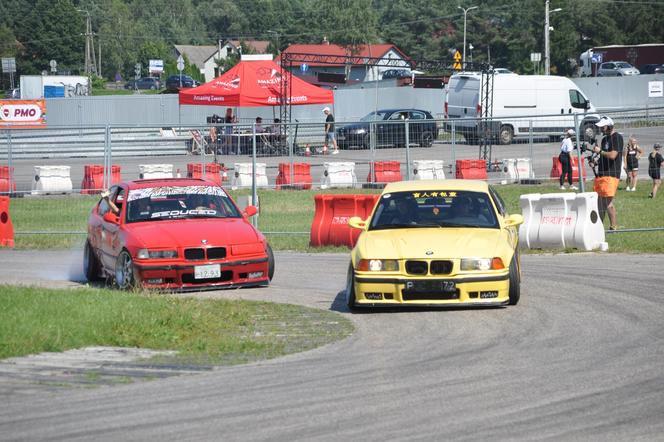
x=427, y=139
x=152, y=87
x=91, y=266
x=270, y=262
x=350, y=288
x=124, y=271
x=506, y=134
x=515, y=280
x=589, y=132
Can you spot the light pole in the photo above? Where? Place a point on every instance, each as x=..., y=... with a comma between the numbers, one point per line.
x=547, y=60
x=465, y=13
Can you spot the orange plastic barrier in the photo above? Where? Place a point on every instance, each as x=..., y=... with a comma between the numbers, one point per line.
x=385, y=172
x=93, y=178
x=471, y=169
x=4, y=180
x=330, y=225
x=6, y=228
x=214, y=172
x=557, y=169
x=301, y=176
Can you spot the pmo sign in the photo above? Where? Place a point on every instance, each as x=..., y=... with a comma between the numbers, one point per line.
x=22, y=114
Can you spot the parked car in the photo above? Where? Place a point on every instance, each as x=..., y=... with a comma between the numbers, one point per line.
x=502, y=71
x=396, y=73
x=435, y=242
x=652, y=69
x=175, y=82
x=389, y=129
x=175, y=234
x=616, y=69
x=13, y=93
x=152, y=83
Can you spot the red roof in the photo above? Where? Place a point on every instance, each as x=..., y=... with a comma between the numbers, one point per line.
x=374, y=51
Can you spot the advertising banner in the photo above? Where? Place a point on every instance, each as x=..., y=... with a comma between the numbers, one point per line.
x=22, y=114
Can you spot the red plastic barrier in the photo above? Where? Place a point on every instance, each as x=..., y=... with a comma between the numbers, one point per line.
x=557, y=169
x=6, y=228
x=4, y=179
x=93, y=178
x=214, y=172
x=330, y=225
x=301, y=176
x=471, y=169
x=385, y=172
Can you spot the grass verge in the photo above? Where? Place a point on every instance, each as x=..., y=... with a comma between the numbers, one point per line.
x=34, y=320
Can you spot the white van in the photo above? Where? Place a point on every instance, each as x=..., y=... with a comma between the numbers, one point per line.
x=553, y=100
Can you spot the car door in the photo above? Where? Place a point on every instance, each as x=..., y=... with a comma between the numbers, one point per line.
x=395, y=133
x=417, y=126
x=110, y=231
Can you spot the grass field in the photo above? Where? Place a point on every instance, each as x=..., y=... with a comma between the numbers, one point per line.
x=286, y=218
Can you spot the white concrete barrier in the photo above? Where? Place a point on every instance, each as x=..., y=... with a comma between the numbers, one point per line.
x=561, y=220
x=515, y=169
x=155, y=171
x=338, y=174
x=51, y=179
x=243, y=174
x=428, y=170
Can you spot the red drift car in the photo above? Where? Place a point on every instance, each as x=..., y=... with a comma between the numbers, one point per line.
x=175, y=234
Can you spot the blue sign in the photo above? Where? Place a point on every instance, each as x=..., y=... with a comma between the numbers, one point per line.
x=304, y=67
x=596, y=58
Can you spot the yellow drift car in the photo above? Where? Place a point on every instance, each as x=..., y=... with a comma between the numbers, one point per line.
x=437, y=242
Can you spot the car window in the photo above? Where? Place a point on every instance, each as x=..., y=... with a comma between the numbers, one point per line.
x=415, y=115
x=624, y=65
x=498, y=201
x=577, y=99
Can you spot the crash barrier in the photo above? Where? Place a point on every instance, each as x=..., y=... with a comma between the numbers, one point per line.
x=471, y=169
x=385, y=172
x=52, y=179
x=5, y=177
x=557, y=169
x=515, y=169
x=155, y=171
x=338, y=174
x=428, y=170
x=214, y=172
x=561, y=220
x=332, y=212
x=93, y=178
x=243, y=174
x=6, y=228
x=301, y=176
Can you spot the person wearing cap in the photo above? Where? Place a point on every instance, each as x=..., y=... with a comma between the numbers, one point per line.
x=631, y=158
x=609, y=166
x=655, y=161
x=565, y=158
x=329, y=131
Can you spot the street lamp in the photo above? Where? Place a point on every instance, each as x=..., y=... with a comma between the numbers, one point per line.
x=547, y=60
x=465, y=12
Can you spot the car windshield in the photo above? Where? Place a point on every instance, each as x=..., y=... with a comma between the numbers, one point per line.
x=375, y=116
x=623, y=65
x=434, y=208
x=176, y=202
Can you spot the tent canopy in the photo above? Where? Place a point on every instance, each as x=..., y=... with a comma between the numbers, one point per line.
x=255, y=83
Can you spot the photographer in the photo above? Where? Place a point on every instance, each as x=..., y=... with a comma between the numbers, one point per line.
x=609, y=165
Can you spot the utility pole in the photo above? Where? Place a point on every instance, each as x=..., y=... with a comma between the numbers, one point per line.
x=547, y=28
x=90, y=61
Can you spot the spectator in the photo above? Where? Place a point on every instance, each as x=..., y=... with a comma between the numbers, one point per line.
x=655, y=161
x=565, y=158
x=631, y=158
x=329, y=132
x=259, y=125
x=608, y=170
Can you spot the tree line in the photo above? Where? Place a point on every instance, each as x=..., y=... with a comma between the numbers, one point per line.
x=502, y=32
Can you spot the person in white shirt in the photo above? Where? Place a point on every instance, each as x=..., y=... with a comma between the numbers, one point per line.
x=565, y=158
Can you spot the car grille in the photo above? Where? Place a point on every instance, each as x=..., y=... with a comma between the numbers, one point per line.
x=216, y=253
x=416, y=267
x=443, y=267
x=198, y=254
x=194, y=254
x=440, y=267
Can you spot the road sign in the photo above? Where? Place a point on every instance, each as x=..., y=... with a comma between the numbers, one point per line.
x=137, y=70
x=596, y=58
x=457, y=57
x=457, y=65
x=180, y=63
x=54, y=65
x=535, y=56
x=9, y=65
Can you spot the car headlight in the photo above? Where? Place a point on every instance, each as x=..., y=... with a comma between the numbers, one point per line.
x=156, y=254
x=482, y=264
x=378, y=265
x=360, y=131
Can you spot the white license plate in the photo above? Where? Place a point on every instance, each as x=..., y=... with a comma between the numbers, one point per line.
x=207, y=271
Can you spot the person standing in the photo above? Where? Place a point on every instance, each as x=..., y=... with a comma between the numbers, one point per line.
x=565, y=158
x=631, y=158
x=608, y=169
x=655, y=161
x=329, y=132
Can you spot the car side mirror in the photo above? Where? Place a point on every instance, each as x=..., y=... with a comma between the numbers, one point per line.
x=587, y=105
x=357, y=223
x=111, y=217
x=514, y=220
x=249, y=211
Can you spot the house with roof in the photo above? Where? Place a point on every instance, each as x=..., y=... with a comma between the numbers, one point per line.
x=203, y=57
x=329, y=58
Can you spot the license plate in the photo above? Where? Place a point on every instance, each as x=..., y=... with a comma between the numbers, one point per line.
x=431, y=286
x=207, y=271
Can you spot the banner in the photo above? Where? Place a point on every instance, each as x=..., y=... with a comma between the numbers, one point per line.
x=156, y=66
x=22, y=114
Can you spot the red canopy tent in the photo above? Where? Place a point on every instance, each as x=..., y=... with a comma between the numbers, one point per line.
x=255, y=83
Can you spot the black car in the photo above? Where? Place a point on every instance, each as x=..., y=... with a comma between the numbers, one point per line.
x=652, y=69
x=175, y=82
x=389, y=129
x=152, y=83
x=396, y=73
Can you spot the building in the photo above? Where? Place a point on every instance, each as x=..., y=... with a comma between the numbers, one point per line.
x=203, y=57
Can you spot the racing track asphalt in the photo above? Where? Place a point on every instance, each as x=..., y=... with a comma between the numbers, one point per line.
x=580, y=358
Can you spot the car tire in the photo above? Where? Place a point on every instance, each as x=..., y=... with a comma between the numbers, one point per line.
x=125, y=277
x=91, y=266
x=589, y=132
x=426, y=140
x=270, y=263
x=350, y=288
x=506, y=135
x=152, y=87
x=515, y=280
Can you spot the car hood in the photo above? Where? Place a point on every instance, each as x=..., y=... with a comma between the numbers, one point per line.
x=191, y=233
x=354, y=127
x=430, y=243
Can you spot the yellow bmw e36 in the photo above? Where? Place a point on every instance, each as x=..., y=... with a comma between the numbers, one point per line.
x=436, y=243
